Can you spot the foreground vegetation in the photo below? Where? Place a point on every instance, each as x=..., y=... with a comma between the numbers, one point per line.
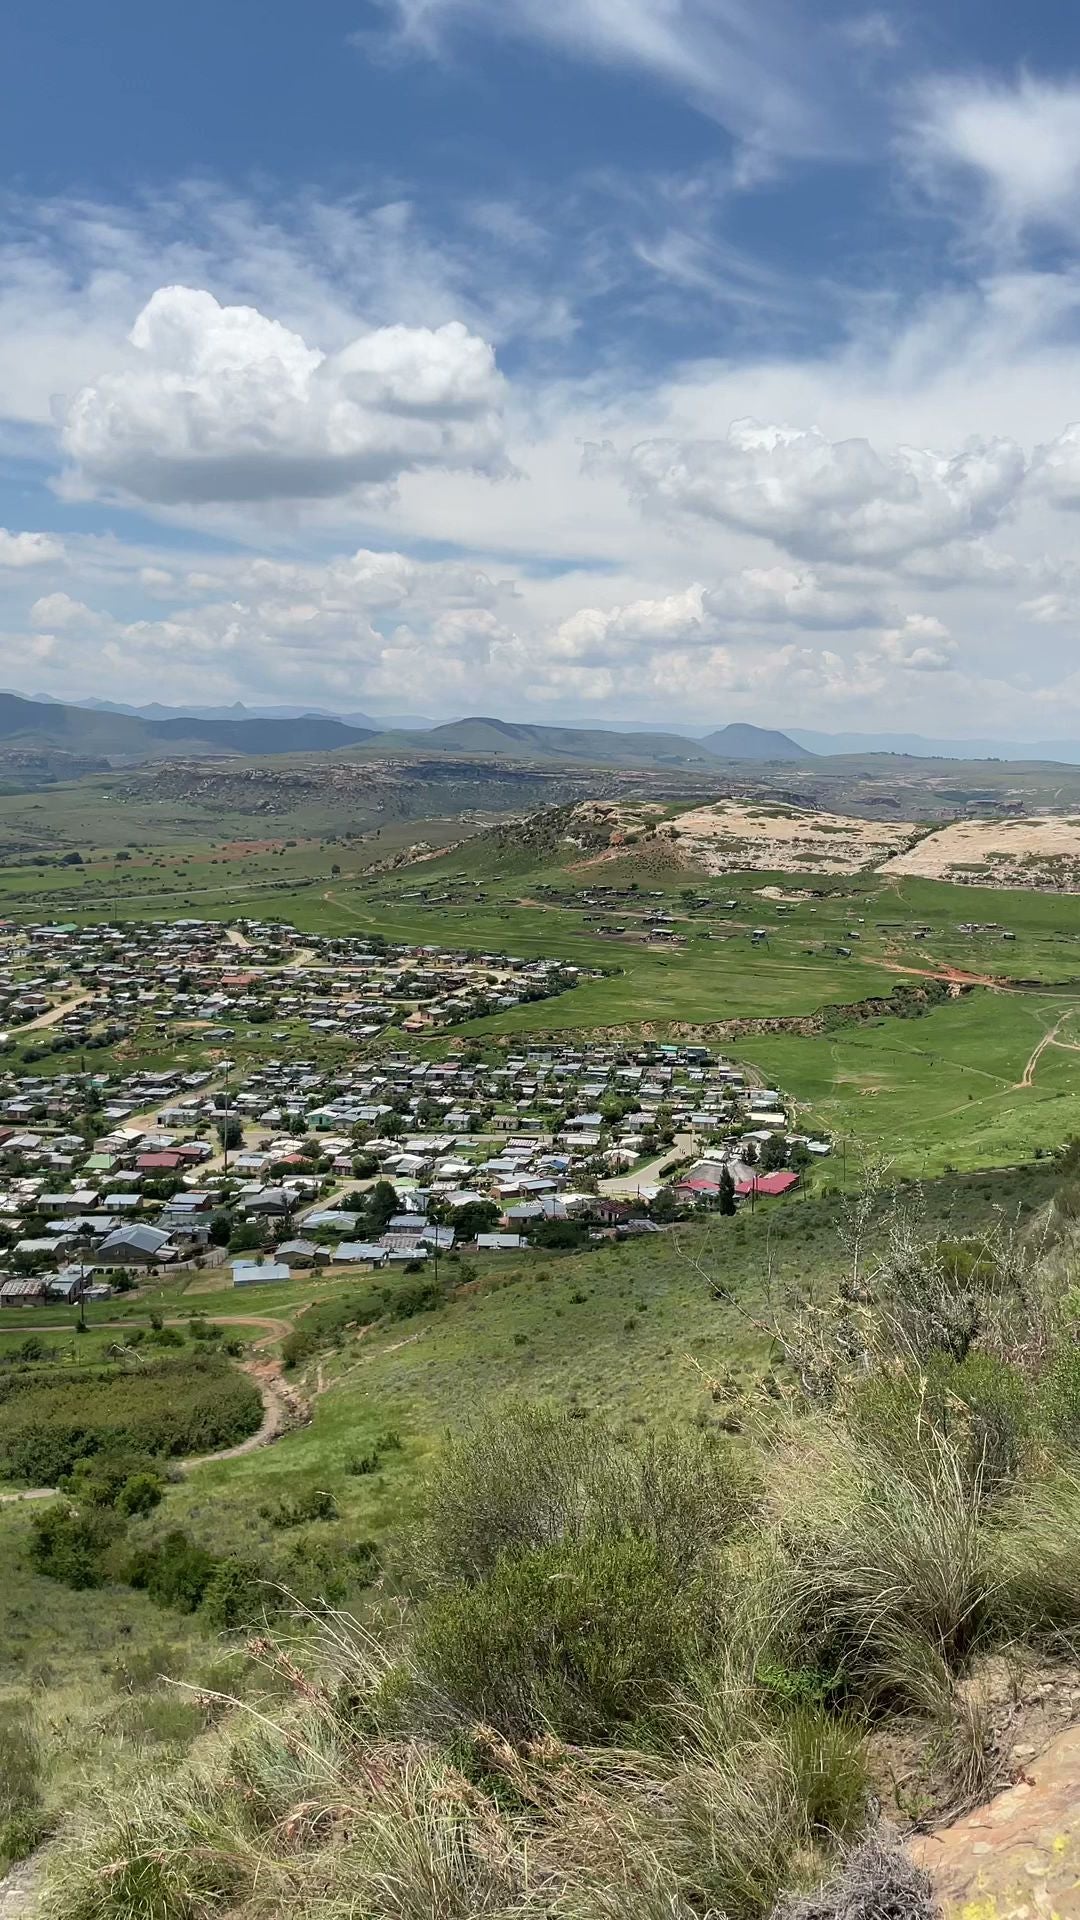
x=611, y=1655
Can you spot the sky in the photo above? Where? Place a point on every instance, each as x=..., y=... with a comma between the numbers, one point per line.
x=669, y=361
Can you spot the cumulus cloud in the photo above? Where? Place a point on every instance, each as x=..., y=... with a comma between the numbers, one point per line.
x=28, y=549
x=223, y=404
x=1055, y=469
x=60, y=610
x=795, y=597
x=593, y=634
x=829, y=500
x=1016, y=144
x=921, y=645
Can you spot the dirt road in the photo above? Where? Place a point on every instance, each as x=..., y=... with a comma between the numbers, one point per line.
x=626, y=1185
x=55, y=1014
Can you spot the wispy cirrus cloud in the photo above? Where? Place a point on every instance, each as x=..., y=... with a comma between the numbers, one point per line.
x=756, y=66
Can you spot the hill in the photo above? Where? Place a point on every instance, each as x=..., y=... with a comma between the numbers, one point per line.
x=591, y=746
x=742, y=742
x=49, y=724
x=310, y=733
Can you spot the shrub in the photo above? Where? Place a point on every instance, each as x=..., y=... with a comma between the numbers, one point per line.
x=316, y=1504
x=682, y=1493
x=981, y=1407
x=192, y=1405
x=886, y=1558
x=140, y=1494
x=175, y=1572
x=69, y=1544
x=1035, y=1550
x=877, y=1881
x=584, y=1637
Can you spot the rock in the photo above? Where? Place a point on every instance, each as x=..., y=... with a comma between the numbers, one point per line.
x=1018, y=1857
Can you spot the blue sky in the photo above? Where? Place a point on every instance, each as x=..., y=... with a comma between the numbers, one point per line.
x=676, y=359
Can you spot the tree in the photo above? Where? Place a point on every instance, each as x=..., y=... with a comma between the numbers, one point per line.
x=382, y=1206
x=665, y=1208
x=220, y=1227
x=725, y=1196
x=774, y=1154
x=478, y=1216
x=230, y=1132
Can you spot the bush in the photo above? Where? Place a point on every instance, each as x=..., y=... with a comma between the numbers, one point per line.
x=981, y=1407
x=69, y=1544
x=316, y=1504
x=1035, y=1550
x=585, y=1637
x=878, y=1881
x=888, y=1560
x=682, y=1493
x=174, y=1572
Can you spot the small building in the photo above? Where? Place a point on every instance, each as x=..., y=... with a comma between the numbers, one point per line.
x=23, y=1293
x=247, y=1273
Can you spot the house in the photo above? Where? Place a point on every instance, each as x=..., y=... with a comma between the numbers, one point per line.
x=270, y=1200
x=298, y=1253
x=23, y=1293
x=248, y=1273
x=769, y=1184
x=136, y=1246
x=351, y=1252
x=500, y=1242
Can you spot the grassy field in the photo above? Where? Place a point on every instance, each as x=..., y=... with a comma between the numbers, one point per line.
x=635, y=1330
x=969, y=1084
x=629, y=1329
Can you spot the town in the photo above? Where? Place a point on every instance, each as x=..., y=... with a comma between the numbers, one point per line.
x=379, y=1156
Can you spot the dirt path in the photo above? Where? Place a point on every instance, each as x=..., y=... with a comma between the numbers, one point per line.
x=1048, y=1040
x=19, y=1888
x=953, y=976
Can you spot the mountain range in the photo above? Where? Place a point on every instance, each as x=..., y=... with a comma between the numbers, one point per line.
x=115, y=735
x=667, y=745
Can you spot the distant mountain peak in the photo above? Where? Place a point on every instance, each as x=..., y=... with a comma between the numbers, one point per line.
x=740, y=741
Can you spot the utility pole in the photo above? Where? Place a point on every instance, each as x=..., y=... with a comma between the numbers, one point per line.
x=225, y=1123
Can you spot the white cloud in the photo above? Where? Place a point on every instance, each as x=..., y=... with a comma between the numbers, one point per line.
x=594, y=634
x=58, y=610
x=222, y=404
x=750, y=63
x=791, y=596
x=829, y=500
x=28, y=549
x=921, y=645
x=1056, y=468
x=1015, y=143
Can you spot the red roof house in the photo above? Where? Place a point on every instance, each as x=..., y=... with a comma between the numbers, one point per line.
x=771, y=1184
